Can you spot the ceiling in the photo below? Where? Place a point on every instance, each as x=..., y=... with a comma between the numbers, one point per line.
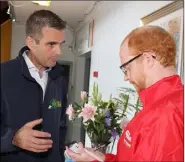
x=70, y=11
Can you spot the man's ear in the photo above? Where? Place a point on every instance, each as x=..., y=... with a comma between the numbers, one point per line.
x=30, y=42
x=150, y=59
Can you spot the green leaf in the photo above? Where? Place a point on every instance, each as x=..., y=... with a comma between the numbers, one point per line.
x=77, y=106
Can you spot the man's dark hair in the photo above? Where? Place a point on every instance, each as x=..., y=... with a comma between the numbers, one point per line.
x=40, y=19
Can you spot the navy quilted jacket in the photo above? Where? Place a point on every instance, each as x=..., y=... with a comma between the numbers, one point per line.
x=22, y=102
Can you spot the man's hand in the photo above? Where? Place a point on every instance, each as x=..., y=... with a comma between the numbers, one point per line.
x=79, y=155
x=29, y=139
x=97, y=155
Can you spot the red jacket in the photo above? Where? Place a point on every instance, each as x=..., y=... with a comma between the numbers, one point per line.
x=156, y=132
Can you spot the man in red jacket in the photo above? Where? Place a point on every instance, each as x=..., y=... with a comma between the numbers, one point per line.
x=148, y=57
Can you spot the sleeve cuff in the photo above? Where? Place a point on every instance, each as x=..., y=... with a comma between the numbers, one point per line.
x=6, y=142
x=109, y=157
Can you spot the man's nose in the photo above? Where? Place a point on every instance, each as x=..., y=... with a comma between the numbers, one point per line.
x=58, y=50
x=126, y=77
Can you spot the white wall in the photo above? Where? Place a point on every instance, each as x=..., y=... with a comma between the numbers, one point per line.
x=18, y=39
x=113, y=21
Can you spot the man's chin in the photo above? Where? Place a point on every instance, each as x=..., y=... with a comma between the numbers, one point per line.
x=137, y=88
x=52, y=64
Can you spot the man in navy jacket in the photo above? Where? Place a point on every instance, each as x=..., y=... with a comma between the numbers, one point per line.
x=33, y=95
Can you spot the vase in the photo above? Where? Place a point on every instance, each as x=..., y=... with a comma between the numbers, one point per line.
x=99, y=147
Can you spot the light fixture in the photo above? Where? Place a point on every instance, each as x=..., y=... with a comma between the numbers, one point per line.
x=42, y=3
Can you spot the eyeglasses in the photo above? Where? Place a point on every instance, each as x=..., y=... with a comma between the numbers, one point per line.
x=122, y=67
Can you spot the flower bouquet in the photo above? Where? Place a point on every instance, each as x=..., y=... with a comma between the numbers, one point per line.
x=101, y=118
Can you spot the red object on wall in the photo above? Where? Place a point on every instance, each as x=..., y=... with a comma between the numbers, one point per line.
x=95, y=74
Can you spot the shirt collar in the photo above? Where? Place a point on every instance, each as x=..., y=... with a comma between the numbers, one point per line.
x=30, y=64
x=154, y=93
x=28, y=61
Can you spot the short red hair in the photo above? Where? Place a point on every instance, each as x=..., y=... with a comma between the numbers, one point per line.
x=155, y=39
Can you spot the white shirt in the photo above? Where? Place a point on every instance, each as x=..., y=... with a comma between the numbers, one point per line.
x=34, y=72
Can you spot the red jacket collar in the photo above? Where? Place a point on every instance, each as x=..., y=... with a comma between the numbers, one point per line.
x=158, y=90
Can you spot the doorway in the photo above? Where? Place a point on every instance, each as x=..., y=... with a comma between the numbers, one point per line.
x=67, y=66
x=87, y=71
x=86, y=84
